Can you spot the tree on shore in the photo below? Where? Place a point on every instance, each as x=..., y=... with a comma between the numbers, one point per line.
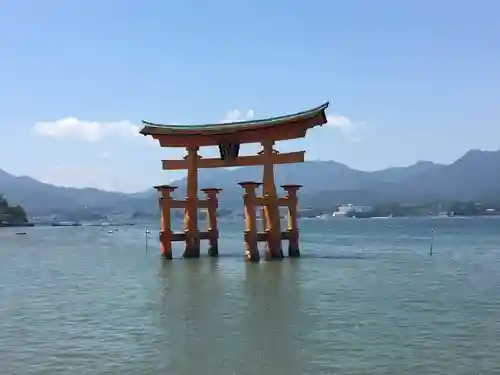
x=11, y=214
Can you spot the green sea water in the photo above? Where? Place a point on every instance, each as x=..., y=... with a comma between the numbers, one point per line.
x=365, y=298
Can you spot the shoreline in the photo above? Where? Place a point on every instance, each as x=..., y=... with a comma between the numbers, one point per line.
x=11, y=225
x=48, y=224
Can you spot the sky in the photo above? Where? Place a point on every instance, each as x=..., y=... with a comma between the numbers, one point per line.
x=406, y=80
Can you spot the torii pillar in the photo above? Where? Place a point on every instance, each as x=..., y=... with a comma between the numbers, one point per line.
x=192, y=249
x=166, y=227
x=271, y=220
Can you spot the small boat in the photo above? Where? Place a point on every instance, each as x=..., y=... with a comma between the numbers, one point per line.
x=21, y=233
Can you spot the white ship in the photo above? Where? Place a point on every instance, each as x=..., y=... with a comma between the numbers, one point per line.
x=348, y=209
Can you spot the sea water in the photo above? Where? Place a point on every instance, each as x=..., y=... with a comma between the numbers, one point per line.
x=364, y=298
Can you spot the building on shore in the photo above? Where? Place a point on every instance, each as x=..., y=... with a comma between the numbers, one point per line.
x=349, y=209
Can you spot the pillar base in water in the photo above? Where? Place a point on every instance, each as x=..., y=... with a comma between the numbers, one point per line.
x=166, y=246
x=166, y=256
x=293, y=244
x=192, y=248
x=270, y=256
x=274, y=250
x=293, y=252
x=251, y=247
x=191, y=252
x=252, y=256
x=213, y=251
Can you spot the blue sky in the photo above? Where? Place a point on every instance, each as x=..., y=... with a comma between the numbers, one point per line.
x=407, y=80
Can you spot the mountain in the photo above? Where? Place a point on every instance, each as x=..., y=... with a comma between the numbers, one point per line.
x=474, y=176
x=339, y=182
x=39, y=198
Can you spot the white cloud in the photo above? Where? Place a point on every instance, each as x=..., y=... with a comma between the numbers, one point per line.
x=95, y=131
x=344, y=124
x=89, y=131
x=236, y=115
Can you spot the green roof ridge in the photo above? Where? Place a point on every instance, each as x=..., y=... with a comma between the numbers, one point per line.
x=238, y=124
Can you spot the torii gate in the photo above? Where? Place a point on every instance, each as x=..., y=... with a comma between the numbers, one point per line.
x=228, y=137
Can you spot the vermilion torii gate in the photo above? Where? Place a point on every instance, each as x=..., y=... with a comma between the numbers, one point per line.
x=228, y=137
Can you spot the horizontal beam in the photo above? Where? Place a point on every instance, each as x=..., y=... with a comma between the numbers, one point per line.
x=181, y=236
x=178, y=236
x=242, y=161
x=261, y=236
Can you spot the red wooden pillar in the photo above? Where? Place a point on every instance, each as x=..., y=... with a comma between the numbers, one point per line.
x=249, y=199
x=213, y=230
x=166, y=227
x=293, y=227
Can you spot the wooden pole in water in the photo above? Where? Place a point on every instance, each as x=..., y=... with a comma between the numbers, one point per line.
x=293, y=227
x=432, y=243
x=212, y=229
x=166, y=229
x=271, y=218
x=192, y=249
x=249, y=198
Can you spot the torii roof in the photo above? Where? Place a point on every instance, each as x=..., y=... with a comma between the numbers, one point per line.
x=294, y=125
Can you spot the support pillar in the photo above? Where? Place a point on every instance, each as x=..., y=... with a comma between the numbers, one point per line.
x=192, y=247
x=166, y=227
x=293, y=228
x=249, y=199
x=271, y=218
x=213, y=231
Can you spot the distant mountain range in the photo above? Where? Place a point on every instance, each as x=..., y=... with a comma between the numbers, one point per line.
x=474, y=176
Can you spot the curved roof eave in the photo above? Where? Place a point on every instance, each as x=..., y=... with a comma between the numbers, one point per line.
x=151, y=128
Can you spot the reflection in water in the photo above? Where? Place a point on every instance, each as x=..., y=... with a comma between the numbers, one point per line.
x=274, y=307
x=246, y=319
